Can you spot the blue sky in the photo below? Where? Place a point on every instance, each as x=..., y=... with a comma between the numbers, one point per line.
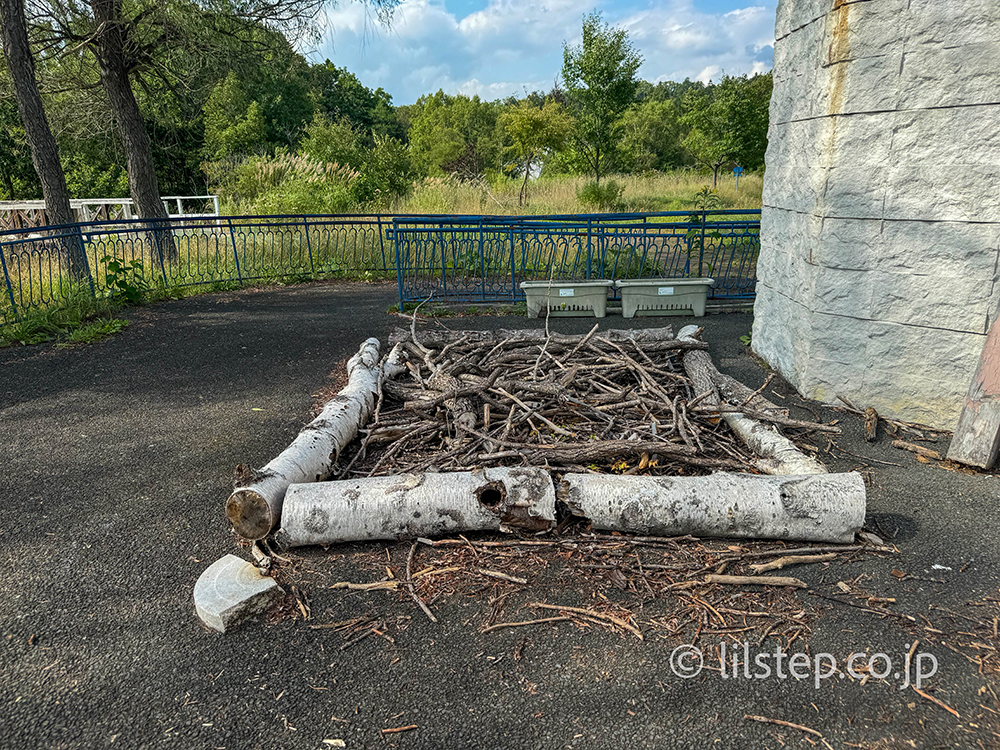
x=499, y=47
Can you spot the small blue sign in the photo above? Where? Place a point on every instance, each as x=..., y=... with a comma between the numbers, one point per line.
x=738, y=171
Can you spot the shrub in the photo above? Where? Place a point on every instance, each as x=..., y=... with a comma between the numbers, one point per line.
x=605, y=196
x=283, y=184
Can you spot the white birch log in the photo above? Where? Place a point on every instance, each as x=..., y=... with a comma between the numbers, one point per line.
x=779, y=454
x=255, y=508
x=809, y=508
x=417, y=505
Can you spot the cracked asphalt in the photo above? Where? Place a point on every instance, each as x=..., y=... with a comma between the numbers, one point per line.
x=116, y=459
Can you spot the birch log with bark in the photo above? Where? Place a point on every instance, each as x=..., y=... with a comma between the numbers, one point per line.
x=255, y=508
x=809, y=508
x=417, y=505
x=779, y=454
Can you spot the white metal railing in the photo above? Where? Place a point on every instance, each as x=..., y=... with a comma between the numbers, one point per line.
x=109, y=209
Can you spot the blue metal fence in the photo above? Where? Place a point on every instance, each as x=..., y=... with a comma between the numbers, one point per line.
x=39, y=267
x=484, y=258
x=460, y=258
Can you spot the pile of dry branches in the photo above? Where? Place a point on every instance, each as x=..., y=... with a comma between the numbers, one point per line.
x=614, y=402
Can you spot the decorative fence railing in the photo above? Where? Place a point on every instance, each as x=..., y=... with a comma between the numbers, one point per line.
x=461, y=258
x=484, y=258
x=30, y=215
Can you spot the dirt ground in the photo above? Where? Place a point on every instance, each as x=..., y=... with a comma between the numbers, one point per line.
x=116, y=461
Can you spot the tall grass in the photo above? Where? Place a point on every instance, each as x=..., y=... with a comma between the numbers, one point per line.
x=658, y=191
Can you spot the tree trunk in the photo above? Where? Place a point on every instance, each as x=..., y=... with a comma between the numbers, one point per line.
x=779, y=454
x=110, y=47
x=522, y=197
x=255, y=508
x=415, y=505
x=812, y=508
x=715, y=175
x=44, y=149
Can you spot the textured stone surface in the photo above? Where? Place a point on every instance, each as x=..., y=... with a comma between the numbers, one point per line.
x=880, y=235
x=230, y=590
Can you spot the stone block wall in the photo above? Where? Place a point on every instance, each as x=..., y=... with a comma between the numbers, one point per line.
x=879, y=270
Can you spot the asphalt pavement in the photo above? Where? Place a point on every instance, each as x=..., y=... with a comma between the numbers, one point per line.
x=116, y=459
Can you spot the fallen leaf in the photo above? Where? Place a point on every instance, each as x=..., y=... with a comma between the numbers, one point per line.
x=896, y=573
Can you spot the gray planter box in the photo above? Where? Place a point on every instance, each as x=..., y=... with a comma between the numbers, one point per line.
x=664, y=296
x=574, y=299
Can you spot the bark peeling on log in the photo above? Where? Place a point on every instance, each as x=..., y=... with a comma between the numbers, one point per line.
x=813, y=507
x=255, y=509
x=416, y=505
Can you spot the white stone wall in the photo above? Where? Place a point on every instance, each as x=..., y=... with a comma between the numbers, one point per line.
x=879, y=271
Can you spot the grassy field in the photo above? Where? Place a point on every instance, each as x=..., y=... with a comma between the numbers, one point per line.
x=671, y=191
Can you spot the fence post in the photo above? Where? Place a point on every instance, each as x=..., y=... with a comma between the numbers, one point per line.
x=589, y=248
x=444, y=265
x=159, y=256
x=482, y=263
x=399, y=264
x=305, y=227
x=6, y=278
x=513, y=275
x=381, y=242
x=701, y=244
x=236, y=255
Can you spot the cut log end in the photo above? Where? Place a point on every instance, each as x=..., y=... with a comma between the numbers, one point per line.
x=249, y=513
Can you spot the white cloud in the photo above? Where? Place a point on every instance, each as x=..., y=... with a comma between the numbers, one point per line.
x=513, y=45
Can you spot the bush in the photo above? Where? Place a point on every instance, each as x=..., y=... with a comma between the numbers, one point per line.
x=283, y=184
x=604, y=196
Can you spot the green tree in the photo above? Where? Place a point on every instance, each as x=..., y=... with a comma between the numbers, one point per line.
x=599, y=76
x=334, y=142
x=137, y=41
x=233, y=124
x=728, y=122
x=340, y=94
x=456, y=135
x=385, y=170
x=44, y=148
x=534, y=131
x=17, y=176
x=650, y=137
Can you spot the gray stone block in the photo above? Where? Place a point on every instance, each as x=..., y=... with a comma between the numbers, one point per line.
x=869, y=84
x=912, y=397
x=796, y=174
x=946, y=192
x=863, y=29
x=851, y=192
x=946, y=24
x=791, y=16
x=851, y=244
x=944, y=248
x=946, y=76
x=839, y=291
x=825, y=380
x=958, y=303
x=231, y=590
x=948, y=356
